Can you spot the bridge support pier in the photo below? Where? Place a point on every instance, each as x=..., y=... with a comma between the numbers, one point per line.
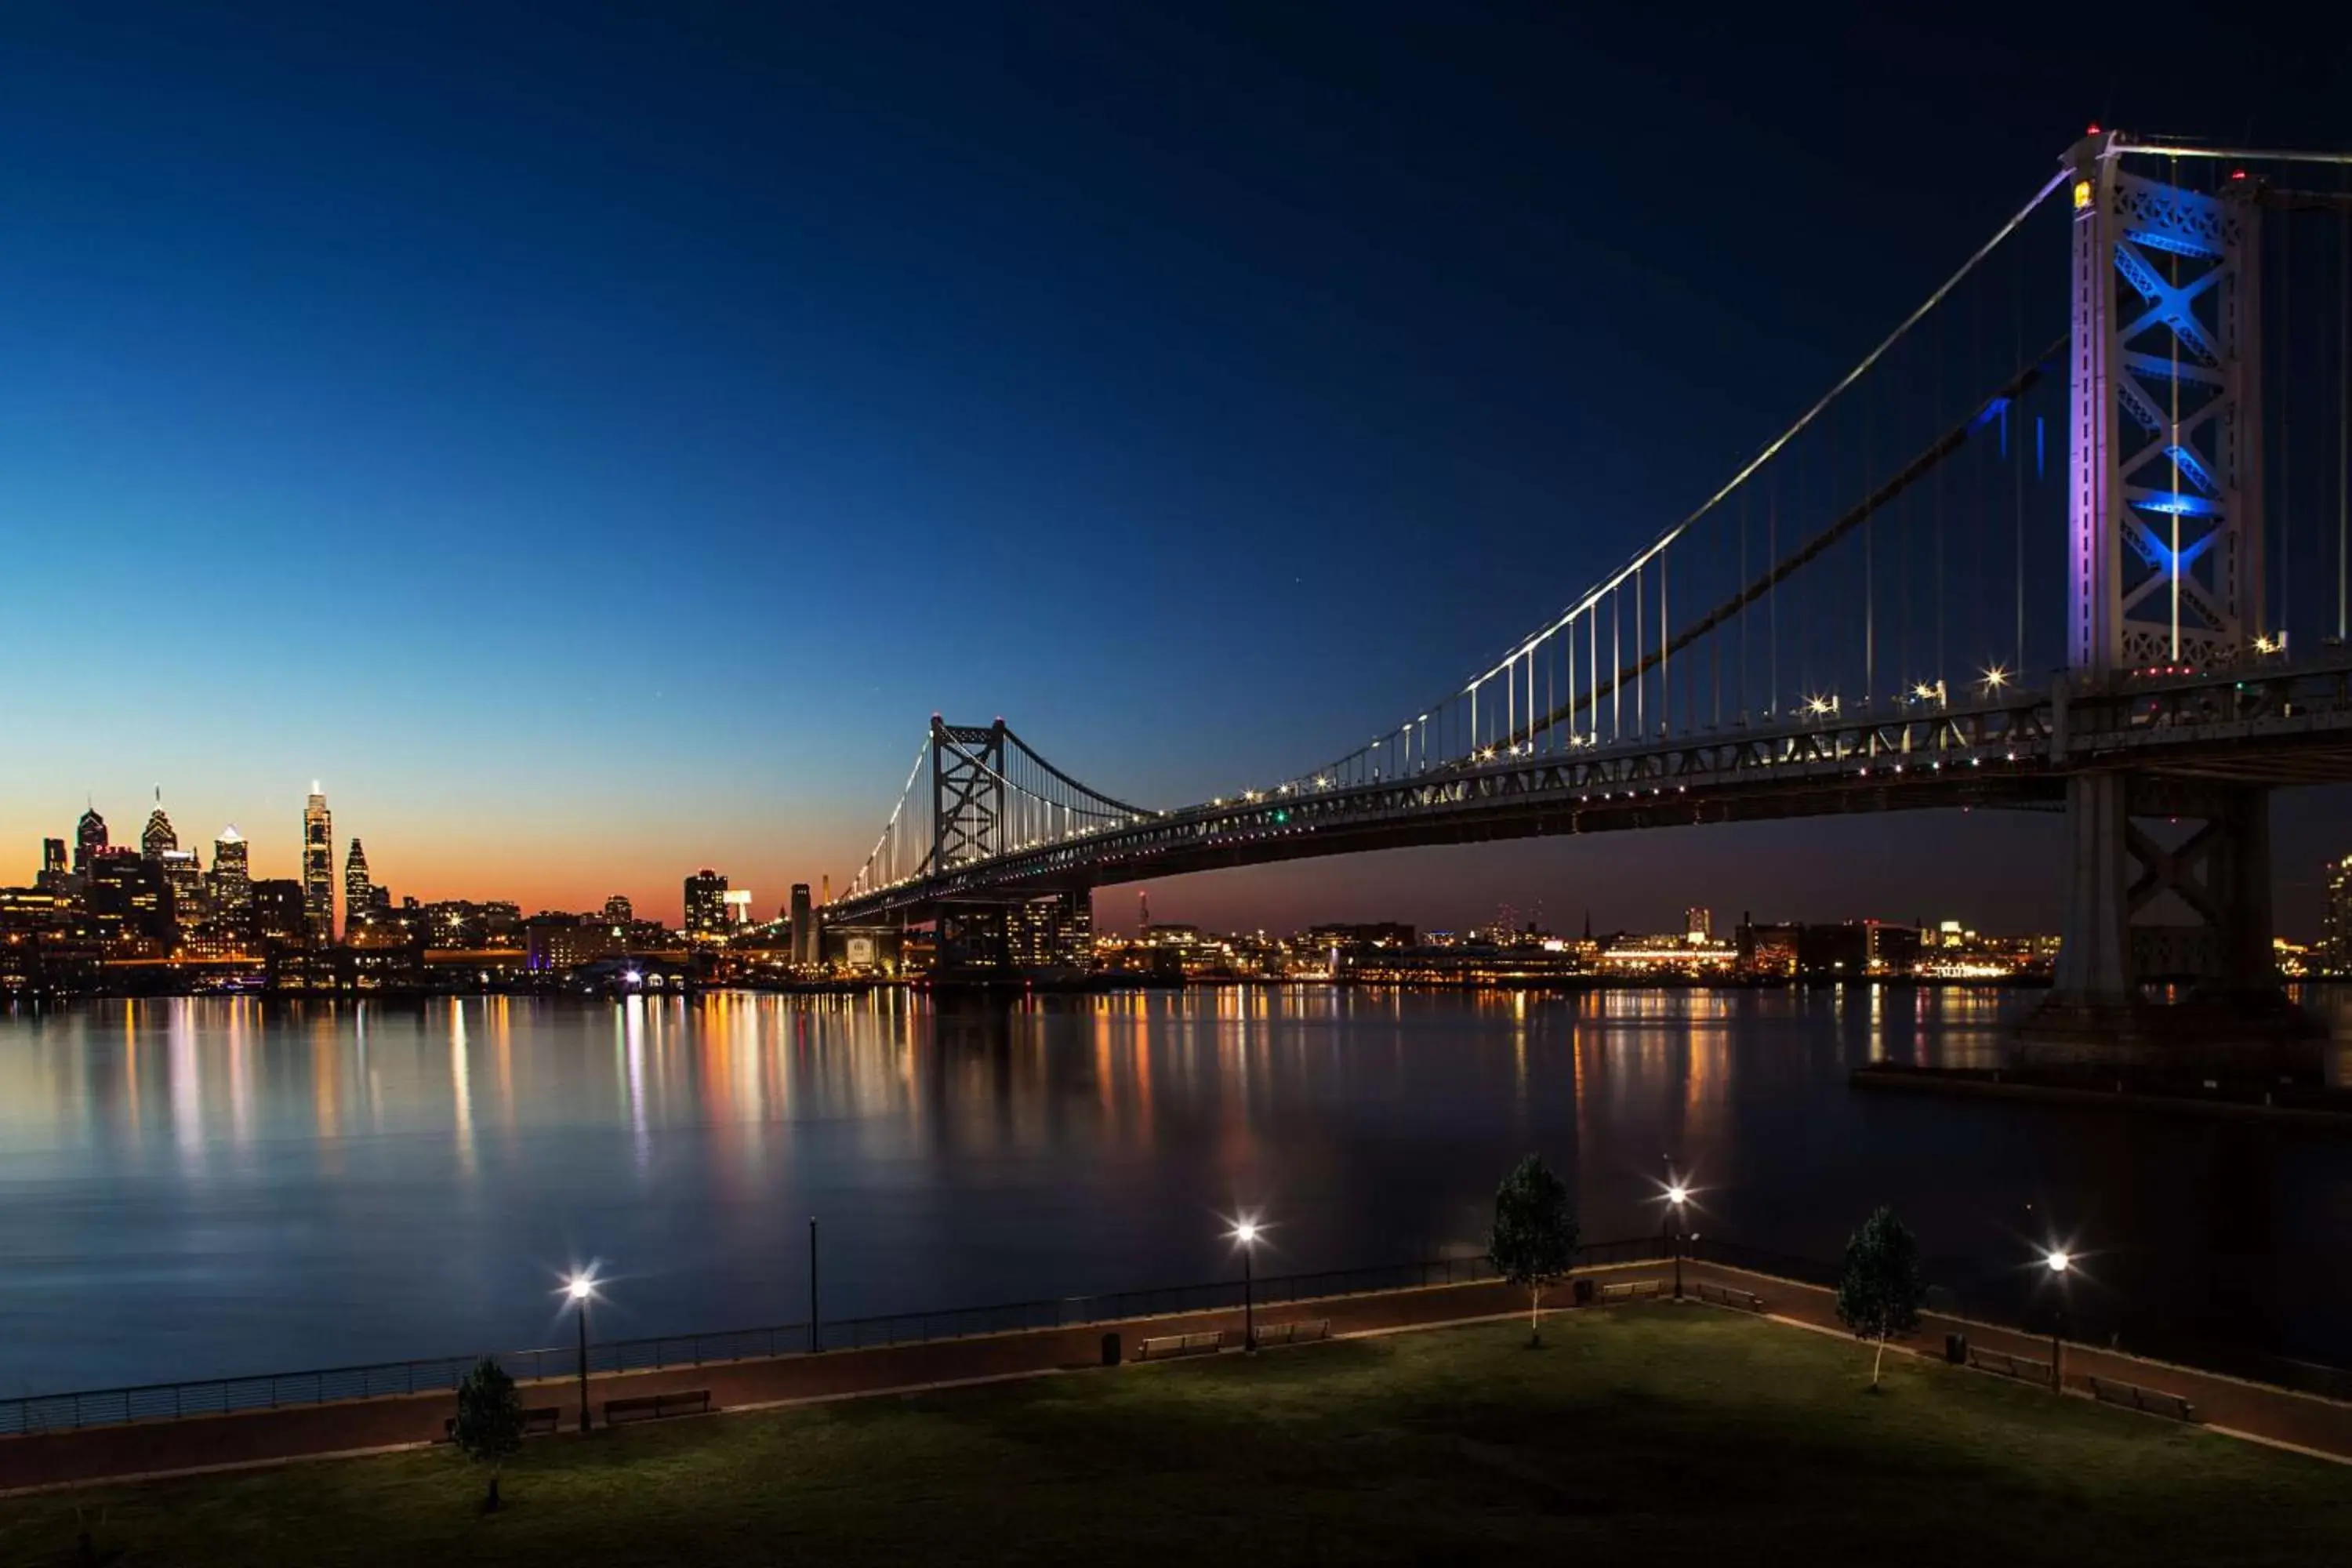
x=2165, y=965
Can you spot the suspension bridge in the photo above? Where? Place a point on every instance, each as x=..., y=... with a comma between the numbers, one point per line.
x=2071, y=536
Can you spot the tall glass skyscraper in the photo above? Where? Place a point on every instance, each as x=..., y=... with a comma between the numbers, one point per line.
x=317, y=868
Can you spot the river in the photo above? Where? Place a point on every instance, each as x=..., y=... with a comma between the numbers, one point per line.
x=201, y=1187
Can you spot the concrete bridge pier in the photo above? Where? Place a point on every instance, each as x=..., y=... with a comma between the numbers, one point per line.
x=2165, y=964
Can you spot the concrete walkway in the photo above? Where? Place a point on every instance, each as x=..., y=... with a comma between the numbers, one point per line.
x=266, y=1436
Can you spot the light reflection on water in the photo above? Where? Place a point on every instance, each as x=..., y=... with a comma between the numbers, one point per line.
x=194, y=1187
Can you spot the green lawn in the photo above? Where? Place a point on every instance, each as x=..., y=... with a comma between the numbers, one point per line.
x=1648, y=1431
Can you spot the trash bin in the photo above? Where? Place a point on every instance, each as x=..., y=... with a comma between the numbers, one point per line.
x=1584, y=1288
x=1956, y=1349
x=1111, y=1350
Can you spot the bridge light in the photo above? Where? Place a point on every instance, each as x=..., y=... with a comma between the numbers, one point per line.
x=1995, y=678
x=2082, y=194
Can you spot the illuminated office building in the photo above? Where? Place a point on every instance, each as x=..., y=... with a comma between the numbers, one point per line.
x=358, y=901
x=158, y=838
x=54, y=878
x=705, y=903
x=318, y=868
x=231, y=880
x=184, y=888
x=803, y=919
x=618, y=910
x=89, y=841
x=281, y=912
x=2335, y=926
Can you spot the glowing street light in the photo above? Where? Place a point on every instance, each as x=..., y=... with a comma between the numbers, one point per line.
x=1245, y=1231
x=1671, y=1227
x=579, y=1290
x=2061, y=1264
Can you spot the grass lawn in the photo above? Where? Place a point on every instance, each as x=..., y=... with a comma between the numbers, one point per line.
x=1666, y=1429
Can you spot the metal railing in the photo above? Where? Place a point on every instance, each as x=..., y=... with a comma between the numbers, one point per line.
x=223, y=1395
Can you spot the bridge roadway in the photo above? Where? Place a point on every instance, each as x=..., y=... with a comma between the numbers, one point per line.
x=2275, y=723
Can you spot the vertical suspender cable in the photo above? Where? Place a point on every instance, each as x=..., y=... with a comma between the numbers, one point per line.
x=2343, y=404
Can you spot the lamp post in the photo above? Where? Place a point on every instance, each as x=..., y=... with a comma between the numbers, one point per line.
x=1246, y=1232
x=581, y=1288
x=2062, y=1266
x=1671, y=1226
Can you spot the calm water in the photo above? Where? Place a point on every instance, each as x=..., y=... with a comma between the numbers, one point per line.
x=197, y=1187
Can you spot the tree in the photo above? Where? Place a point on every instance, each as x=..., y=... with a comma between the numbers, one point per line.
x=489, y=1420
x=1879, y=1290
x=1533, y=1243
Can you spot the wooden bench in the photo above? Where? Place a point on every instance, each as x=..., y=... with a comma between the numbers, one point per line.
x=2154, y=1401
x=1282, y=1334
x=1728, y=1296
x=655, y=1407
x=1169, y=1345
x=1628, y=1291
x=535, y=1423
x=2023, y=1368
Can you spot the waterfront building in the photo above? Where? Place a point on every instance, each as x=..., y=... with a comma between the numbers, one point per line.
x=705, y=904
x=1056, y=931
x=358, y=897
x=1698, y=924
x=159, y=837
x=89, y=841
x=318, y=868
x=737, y=904
x=803, y=928
x=556, y=943
x=618, y=910
x=130, y=913
x=2335, y=926
x=281, y=913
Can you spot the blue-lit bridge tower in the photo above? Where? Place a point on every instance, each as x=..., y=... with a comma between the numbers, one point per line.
x=2168, y=878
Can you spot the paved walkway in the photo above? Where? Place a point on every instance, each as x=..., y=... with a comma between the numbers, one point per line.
x=265, y=1437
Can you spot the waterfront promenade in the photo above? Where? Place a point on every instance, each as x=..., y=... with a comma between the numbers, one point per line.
x=273, y=1435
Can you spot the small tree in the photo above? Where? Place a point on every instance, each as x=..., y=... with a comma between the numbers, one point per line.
x=1879, y=1290
x=489, y=1420
x=1533, y=1243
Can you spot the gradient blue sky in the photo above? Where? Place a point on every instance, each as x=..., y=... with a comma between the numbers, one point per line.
x=594, y=439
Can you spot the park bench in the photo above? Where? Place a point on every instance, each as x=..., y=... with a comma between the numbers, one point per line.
x=653, y=1406
x=1169, y=1345
x=1282, y=1334
x=1628, y=1291
x=535, y=1423
x=1729, y=1296
x=2154, y=1401
x=2023, y=1368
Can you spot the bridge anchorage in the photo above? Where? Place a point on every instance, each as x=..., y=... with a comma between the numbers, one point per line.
x=1930, y=557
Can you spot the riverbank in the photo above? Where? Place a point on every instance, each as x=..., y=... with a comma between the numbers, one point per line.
x=1660, y=1430
x=2313, y=1106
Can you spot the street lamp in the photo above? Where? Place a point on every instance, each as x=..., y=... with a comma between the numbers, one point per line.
x=1671, y=1226
x=579, y=1289
x=1246, y=1232
x=2061, y=1264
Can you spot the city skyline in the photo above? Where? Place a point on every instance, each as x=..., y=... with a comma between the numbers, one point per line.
x=547, y=442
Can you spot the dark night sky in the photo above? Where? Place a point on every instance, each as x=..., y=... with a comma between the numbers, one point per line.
x=595, y=440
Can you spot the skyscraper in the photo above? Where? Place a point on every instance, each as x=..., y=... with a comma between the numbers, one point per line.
x=618, y=910
x=2335, y=928
x=357, y=898
x=159, y=837
x=232, y=880
x=54, y=877
x=705, y=903
x=317, y=868
x=89, y=841
x=803, y=928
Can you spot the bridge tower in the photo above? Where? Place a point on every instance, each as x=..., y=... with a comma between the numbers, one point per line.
x=2170, y=877
x=968, y=825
